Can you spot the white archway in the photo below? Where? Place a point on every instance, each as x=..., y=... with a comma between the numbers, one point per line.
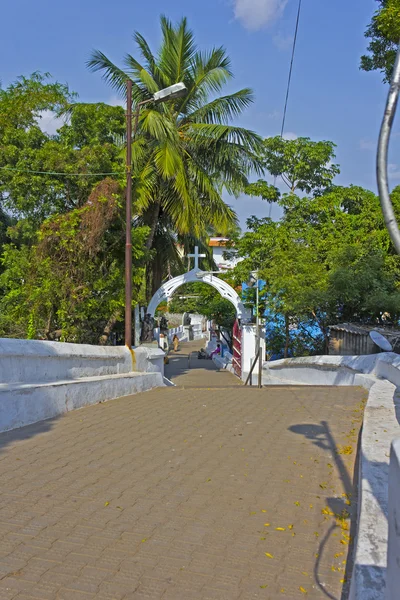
x=167, y=289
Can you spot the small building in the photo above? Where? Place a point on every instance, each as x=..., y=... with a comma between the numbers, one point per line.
x=219, y=246
x=348, y=339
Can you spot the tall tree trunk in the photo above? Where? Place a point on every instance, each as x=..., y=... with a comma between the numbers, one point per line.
x=109, y=327
x=287, y=336
x=154, y=220
x=48, y=325
x=154, y=214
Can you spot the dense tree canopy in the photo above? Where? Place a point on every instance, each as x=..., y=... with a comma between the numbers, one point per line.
x=384, y=35
x=328, y=260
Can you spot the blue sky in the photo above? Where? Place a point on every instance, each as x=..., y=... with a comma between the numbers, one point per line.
x=330, y=97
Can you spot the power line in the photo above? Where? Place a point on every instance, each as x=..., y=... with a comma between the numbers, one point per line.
x=291, y=67
x=57, y=173
x=288, y=83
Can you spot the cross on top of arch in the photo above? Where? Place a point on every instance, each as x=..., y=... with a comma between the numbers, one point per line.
x=196, y=257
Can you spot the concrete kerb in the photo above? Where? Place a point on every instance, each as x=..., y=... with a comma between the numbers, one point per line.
x=380, y=375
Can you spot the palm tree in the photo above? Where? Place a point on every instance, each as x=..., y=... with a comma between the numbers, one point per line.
x=186, y=151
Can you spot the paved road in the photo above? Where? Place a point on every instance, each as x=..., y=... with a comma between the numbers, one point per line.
x=213, y=494
x=186, y=370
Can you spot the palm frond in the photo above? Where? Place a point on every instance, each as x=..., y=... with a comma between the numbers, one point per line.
x=112, y=74
x=177, y=50
x=158, y=126
x=206, y=134
x=167, y=159
x=222, y=109
x=209, y=72
x=140, y=74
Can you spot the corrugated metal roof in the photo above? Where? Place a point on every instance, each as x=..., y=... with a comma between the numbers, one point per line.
x=364, y=329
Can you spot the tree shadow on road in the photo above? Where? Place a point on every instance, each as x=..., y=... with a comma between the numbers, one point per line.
x=322, y=437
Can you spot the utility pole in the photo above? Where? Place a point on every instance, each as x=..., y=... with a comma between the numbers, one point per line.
x=128, y=244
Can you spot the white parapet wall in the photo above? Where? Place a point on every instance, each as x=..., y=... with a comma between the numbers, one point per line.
x=41, y=380
x=393, y=568
x=374, y=577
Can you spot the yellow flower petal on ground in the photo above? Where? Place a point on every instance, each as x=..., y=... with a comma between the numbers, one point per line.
x=269, y=555
x=290, y=526
x=303, y=591
x=280, y=529
x=267, y=524
x=106, y=503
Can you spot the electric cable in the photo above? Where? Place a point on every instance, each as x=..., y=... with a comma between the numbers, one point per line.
x=17, y=170
x=288, y=84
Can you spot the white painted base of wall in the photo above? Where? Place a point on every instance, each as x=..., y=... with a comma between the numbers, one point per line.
x=25, y=404
x=42, y=380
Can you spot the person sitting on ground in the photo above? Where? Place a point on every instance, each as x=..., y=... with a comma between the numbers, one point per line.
x=216, y=351
x=175, y=341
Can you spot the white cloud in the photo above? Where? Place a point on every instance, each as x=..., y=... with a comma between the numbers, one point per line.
x=256, y=14
x=49, y=123
x=393, y=171
x=289, y=135
x=366, y=144
x=283, y=42
x=116, y=101
x=275, y=114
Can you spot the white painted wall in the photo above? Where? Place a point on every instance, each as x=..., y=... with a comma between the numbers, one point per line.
x=393, y=564
x=41, y=380
x=249, y=344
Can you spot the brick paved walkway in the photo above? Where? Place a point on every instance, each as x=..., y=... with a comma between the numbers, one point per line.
x=181, y=494
x=186, y=370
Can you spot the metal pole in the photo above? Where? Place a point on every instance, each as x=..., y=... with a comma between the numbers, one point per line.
x=128, y=245
x=258, y=338
x=382, y=157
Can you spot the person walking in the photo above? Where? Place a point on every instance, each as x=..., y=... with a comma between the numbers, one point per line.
x=175, y=341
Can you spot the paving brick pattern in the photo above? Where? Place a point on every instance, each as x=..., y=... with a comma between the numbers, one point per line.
x=186, y=370
x=178, y=494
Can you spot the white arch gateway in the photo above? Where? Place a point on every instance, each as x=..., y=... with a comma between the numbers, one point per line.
x=226, y=291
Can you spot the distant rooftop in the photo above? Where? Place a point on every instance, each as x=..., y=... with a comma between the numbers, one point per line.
x=215, y=242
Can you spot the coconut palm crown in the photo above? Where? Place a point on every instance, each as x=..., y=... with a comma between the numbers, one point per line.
x=186, y=151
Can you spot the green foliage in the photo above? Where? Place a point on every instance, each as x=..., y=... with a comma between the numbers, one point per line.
x=93, y=125
x=302, y=164
x=82, y=146
x=70, y=282
x=186, y=150
x=203, y=299
x=384, y=35
x=328, y=260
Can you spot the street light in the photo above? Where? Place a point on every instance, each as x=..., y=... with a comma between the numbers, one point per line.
x=174, y=91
